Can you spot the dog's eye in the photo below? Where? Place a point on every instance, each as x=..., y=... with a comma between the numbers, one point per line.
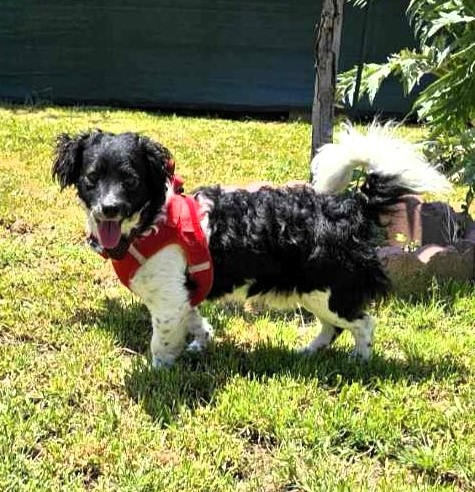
x=92, y=176
x=91, y=179
x=131, y=181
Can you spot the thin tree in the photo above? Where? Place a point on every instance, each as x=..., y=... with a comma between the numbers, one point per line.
x=327, y=49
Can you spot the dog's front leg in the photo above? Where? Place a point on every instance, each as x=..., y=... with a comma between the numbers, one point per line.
x=169, y=333
x=161, y=283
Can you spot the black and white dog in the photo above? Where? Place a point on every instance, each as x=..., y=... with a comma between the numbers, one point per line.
x=307, y=244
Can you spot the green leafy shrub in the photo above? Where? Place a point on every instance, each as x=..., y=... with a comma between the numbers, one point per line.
x=445, y=33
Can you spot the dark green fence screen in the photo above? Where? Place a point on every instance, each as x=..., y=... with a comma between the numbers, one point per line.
x=216, y=54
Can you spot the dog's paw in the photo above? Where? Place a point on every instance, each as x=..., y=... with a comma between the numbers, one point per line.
x=203, y=335
x=310, y=349
x=196, y=346
x=359, y=355
x=305, y=350
x=160, y=363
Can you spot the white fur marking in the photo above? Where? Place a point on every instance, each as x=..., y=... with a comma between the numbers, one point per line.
x=205, y=207
x=363, y=330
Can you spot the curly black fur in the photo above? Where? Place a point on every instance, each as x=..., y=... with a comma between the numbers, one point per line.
x=291, y=239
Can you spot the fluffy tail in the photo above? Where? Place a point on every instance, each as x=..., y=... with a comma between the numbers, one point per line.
x=377, y=152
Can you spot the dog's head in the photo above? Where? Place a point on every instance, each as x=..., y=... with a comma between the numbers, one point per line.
x=122, y=180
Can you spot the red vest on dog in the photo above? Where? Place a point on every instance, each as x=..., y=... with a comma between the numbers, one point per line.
x=182, y=227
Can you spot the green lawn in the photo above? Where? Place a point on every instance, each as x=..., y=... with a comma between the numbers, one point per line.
x=81, y=409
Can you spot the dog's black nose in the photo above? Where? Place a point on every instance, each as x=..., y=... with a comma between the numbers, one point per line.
x=110, y=211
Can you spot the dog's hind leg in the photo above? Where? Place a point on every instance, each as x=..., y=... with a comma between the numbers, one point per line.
x=361, y=327
x=325, y=338
x=362, y=330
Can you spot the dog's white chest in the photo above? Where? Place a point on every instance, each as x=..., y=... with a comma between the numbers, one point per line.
x=161, y=279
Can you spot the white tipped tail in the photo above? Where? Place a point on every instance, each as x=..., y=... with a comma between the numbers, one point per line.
x=378, y=152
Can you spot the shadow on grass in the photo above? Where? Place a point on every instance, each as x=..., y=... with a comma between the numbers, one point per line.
x=195, y=378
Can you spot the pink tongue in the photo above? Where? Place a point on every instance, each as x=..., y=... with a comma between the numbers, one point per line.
x=109, y=233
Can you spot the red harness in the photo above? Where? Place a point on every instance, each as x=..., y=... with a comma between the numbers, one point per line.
x=182, y=227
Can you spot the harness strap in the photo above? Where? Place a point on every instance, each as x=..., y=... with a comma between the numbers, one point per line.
x=198, y=233
x=136, y=254
x=200, y=271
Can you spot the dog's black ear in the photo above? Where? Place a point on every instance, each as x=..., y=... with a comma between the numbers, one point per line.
x=68, y=158
x=159, y=159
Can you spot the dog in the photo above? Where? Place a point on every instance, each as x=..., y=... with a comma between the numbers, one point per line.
x=310, y=244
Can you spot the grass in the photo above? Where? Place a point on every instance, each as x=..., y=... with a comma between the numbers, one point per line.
x=81, y=409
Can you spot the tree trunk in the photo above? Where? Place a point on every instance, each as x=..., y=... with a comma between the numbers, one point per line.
x=327, y=49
